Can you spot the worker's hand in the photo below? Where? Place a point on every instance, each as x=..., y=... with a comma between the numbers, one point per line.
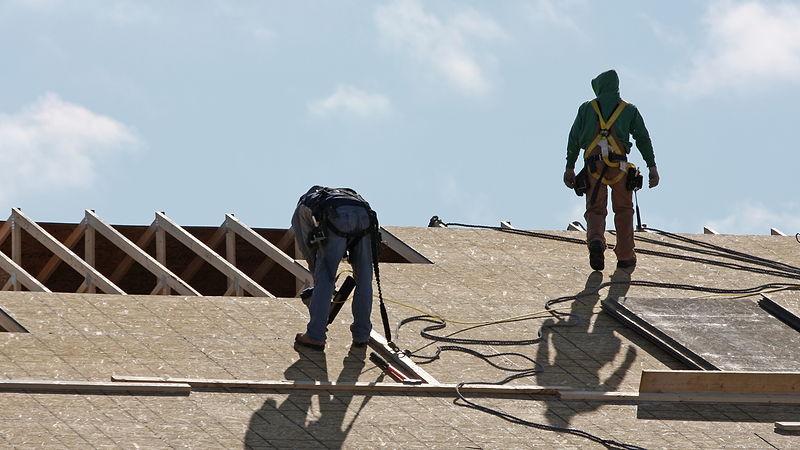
x=654, y=178
x=569, y=178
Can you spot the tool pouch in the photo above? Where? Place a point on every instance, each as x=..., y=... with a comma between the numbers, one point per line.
x=635, y=179
x=581, y=182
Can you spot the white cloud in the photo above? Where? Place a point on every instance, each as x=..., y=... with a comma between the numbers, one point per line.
x=51, y=145
x=554, y=13
x=753, y=218
x=349, y=101
x=749, y=44
x=443, y=46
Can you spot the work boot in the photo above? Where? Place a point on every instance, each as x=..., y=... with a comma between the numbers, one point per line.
x=305, y=341
x=624, y=264
x=596, y=257
x=359, y=344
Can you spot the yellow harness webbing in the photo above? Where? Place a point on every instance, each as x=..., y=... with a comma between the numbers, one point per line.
x=603, y=134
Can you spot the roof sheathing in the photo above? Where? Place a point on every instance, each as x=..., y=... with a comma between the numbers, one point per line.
x=477, y=275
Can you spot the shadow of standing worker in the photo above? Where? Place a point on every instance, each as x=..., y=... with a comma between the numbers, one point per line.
x=298, y=422
x=581, y=352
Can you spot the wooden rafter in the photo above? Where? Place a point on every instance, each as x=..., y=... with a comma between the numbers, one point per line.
x=268, y=263
x=238, y=277
x=402, y=249
x=126, y=263
x=164, y=275
x=20, y=275
x=90, y=274
x=55, y=261
x=268, y=248
x=198, y=262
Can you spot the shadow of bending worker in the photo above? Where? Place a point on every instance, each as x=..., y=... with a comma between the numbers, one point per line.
x=306, y=418
x=580, y=356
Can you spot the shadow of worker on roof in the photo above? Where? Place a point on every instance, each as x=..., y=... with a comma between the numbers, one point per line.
x=308, y=419
x=587, y=356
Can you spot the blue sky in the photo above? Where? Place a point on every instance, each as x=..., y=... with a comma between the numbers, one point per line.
x=459, y=109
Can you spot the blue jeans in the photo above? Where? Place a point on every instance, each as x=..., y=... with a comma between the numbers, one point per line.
x=347, y=219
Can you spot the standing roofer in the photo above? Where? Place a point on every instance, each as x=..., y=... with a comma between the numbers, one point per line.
x=602, y=128
x=329, y=223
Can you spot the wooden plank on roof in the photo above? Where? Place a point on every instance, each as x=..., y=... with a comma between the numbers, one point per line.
x=699, y=397
x=90, y=274
x=210, y=256
x=165, y=276
x=86, y=387
x=787, y=426
x=347, y=386
x=268, y=248
x=696, y=381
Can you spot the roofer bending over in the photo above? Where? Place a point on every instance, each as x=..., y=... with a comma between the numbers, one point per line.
x=329, y=223
x=602, y=128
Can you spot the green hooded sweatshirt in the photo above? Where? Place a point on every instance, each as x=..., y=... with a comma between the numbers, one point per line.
x=629, y=123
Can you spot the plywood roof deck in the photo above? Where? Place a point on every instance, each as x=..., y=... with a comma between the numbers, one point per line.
x=476, y=276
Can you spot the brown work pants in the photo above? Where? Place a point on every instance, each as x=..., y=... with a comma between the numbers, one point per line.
x=621, y=203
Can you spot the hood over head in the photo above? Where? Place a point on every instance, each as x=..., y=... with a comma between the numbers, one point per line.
x=606, y=88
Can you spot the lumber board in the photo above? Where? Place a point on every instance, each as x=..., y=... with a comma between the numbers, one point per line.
x=268, y=248
x=95, y=223
x=787, y=426
x=20, y=275
x=201, y=383
x=127, y=261
x=66, y=255
x=699, y=381
x=378, y=342
x=210, y=256
x=198, y=262
x=403, y=249
x=783, y=314
x=8, y=324
x=635, y=397
x=16, y=247
x=5, y=230
x=267, y=264
x=230, y=255
x=55, y=261
x=95, y=386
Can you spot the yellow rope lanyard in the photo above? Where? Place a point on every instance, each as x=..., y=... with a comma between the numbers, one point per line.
x=602, y=139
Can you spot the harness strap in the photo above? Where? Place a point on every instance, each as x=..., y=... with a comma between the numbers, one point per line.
x=597, y=186
x=608, y=133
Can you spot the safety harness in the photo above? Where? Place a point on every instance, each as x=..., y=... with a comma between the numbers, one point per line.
x=612, y=153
